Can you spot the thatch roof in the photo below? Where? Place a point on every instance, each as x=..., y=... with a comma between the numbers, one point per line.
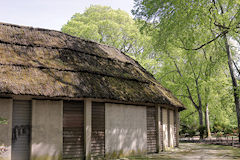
x=49, y=63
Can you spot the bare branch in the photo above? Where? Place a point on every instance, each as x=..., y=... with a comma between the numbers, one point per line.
x=223, y=33
x=236, y=67
x=167, y=74
x=220, y=26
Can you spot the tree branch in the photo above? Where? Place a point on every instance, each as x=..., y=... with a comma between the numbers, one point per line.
x=223, y=33
x=167, y=74
x=236, y=67
x=188, y=90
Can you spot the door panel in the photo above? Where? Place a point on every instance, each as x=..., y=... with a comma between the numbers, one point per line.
x=98, y=130
x=21, y=123
x=73, y=130
x=151, y=130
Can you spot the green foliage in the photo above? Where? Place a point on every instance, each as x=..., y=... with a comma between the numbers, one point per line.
x=189, y=34
x=115, y=28
x=185, y=34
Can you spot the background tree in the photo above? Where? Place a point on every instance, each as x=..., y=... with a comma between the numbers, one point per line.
x=192, y=26
x=115, y=28
x=165, y=47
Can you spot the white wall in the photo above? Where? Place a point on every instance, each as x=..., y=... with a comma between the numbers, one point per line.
x=171, y=128
x=126, y=128
x=47, y=129
x=165, y=128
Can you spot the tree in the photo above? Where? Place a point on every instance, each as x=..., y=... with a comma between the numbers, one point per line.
x=190, y=77
x=115, y=28
x=192, y=26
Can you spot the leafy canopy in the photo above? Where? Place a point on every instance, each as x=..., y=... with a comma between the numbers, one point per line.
x=115, y=28
x=183, y=31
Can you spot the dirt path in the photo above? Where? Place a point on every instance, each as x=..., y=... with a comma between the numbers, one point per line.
x=191, y=151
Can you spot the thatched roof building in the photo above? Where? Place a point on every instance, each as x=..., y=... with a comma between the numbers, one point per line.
x=49, y=63
x=69, y=98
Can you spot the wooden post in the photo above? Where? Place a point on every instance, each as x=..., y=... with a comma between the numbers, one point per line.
x=232, y=142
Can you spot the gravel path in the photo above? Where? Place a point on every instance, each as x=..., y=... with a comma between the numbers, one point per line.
x=191, y=151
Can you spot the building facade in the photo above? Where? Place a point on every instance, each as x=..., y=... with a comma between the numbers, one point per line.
x=68, y=98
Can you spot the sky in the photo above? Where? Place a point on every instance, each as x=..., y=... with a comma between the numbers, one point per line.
x=51, y=14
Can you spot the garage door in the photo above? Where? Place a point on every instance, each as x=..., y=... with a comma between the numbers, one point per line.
x=21, y=130
x=73, y=130
x=151, y=130
x=98, y=130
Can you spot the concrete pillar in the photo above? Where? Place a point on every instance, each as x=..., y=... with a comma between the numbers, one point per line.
x=87, y=127
x=6, y=129
x=165, y=128
x=161, y=128
x=158, y=109
x=47, y=130
x=177, y=126
x=168, y=127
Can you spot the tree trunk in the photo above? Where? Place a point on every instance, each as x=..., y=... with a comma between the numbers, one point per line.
x=234, y=84
x=207, y=123
x=201, y=128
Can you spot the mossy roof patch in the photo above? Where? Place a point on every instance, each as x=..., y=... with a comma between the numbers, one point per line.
x=50, y=63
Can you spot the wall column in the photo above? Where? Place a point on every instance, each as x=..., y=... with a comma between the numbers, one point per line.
x=158, y=121
x=168, y=127
x=47, y=130
x=165, y=128
x=87, y=127
x=6, y=129
x=177, y=127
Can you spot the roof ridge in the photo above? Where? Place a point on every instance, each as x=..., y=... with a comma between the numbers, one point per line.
x=74, y=71
x=49, y=47
x=92, y=41
x=106, y=58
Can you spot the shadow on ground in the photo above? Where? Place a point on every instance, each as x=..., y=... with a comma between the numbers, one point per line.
x=191, y=151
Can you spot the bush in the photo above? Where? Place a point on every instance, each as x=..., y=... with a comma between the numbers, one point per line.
x=219, y=134
x=192, y=132
x=228, y=130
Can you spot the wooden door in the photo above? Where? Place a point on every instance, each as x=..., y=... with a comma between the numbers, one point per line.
x=98, y=130
x=73, y=130
x=21, y=131
x=151, y=130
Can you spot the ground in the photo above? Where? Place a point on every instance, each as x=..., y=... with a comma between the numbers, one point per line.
x=191, y=151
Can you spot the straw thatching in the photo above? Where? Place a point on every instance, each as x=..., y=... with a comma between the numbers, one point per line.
x=49, y=63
